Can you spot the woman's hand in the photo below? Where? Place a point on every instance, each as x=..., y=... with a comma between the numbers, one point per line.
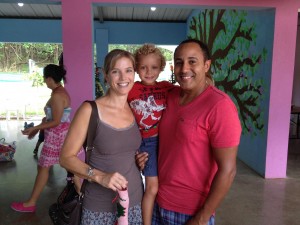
x=141, y=158
x=44, y=120
x=114, y=181
x=31, y=132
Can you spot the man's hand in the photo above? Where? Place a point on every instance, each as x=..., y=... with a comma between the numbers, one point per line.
x=141, y=158
x=197, y=221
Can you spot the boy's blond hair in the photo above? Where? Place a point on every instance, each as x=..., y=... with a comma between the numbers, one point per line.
x=147, y=49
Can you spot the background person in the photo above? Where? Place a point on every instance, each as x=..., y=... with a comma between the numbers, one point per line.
x=199, y=137
x=39, y=142
x=147, y=99
x=55, y=128
x=112, y=162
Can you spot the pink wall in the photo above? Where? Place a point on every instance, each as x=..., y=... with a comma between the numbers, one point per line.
x=281, y=90
x=78, y=50
x=77, y=41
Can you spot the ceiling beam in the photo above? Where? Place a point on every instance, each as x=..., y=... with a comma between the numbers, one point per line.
x=100, y=14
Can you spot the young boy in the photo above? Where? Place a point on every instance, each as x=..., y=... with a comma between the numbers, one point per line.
x=147, y=99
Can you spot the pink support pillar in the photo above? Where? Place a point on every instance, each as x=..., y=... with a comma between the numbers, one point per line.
x=78, y=32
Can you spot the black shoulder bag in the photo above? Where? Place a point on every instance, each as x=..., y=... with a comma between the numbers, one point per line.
x=67, y=210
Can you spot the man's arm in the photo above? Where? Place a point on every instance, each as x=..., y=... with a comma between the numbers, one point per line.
x=226, y=161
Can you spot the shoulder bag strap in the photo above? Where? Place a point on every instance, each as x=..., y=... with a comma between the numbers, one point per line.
x=88, y=143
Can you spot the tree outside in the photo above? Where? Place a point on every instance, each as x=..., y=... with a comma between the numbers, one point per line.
x=14, y=57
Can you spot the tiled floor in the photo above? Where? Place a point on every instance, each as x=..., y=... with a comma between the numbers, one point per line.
x=256, y=201
x=17, y=179
x=251, y=201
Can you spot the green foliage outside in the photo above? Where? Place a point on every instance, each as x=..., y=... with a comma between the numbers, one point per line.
x=14, y=57
x=36, y=77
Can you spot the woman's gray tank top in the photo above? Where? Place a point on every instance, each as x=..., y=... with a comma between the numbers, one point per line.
x=114, y=151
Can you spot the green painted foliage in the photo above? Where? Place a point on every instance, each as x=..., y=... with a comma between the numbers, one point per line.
x=235, y=61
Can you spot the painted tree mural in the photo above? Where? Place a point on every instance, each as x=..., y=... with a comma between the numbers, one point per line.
x=235, y=61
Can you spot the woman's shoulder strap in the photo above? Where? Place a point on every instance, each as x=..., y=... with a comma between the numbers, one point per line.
x=92, y=125
x=94, y=114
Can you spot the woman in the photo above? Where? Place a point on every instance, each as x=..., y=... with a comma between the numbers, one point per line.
x=55, y=126
x=112, y=165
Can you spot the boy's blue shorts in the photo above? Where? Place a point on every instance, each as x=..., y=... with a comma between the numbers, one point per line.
x=150, y=145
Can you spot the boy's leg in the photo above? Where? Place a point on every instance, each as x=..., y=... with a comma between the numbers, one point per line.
x=149, y=145
x=149, y=199
x=36, y=149
x=39, y=142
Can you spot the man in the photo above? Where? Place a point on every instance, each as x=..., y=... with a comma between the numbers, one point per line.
x=199, y=136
